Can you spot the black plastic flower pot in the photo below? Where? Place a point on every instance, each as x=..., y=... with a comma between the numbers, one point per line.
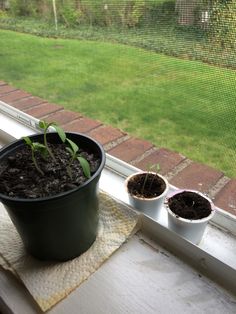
x=63, y=226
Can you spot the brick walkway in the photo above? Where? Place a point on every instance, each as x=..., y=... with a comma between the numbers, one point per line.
x=179, y=170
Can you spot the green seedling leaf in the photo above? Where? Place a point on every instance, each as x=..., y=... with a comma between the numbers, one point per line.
x=27, y=140
x=60, y=131
x=45, y=126
x=42, y=124
x=73, y=146
x=85, y=166
x=70, y=151
x=73, y=150
x=40, y=148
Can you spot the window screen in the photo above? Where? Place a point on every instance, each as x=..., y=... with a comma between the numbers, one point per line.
x=161, y=70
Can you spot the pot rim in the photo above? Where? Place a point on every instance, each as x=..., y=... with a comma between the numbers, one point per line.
x=194, y=221
x=143, y=198
x=57, y=196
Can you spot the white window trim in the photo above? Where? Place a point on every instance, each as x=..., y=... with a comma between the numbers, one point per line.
x=214, y=256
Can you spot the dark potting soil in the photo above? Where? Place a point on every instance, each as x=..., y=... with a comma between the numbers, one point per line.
x=147, y=186
x=19, y=177
x=189, y=205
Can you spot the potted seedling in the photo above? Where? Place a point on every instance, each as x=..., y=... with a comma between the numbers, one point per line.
x=188, y=213
x=49, y=186
x=147, y=190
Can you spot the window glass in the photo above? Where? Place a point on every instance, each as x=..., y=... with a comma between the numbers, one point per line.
x=162, y=70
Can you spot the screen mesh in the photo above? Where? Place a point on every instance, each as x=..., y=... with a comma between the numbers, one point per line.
x=178, y=90
x=162, y=70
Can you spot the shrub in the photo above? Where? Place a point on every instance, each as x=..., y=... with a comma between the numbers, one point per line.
x=223, y=23
x=130, y=12
x=118, y=13
x=3, y=14
x=22, y=8
x=161, y=11
x=69, y=14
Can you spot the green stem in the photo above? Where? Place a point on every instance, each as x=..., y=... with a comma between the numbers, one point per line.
x=68, y=168
x=46, y=143
x=153, y=177
x=35, y=164
x=144, y=183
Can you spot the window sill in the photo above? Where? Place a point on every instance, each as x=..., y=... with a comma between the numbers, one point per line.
x=215, y=257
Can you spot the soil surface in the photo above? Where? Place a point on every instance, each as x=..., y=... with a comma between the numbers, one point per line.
x=146, y=185
x=189, y=205
x=19, y=177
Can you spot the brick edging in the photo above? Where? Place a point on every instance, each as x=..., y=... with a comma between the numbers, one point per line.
x=179, y=170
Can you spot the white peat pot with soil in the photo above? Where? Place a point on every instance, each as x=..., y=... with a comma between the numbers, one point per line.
x=147, y=192
x=189, y=211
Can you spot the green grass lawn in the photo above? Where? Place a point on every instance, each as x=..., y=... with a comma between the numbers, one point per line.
x=183, y=105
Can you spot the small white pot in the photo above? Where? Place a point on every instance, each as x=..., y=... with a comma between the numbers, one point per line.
x=192, y=230
x=149, y=206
